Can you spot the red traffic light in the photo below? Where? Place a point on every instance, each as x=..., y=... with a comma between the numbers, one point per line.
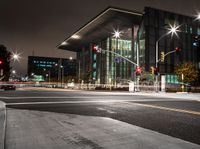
x=156, y=71
x=94, y=48
x=138, y=70
x=178, y=49
x=1, y=62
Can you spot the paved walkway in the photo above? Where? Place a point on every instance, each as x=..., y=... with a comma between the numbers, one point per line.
x=44, y=130
x=2, y=124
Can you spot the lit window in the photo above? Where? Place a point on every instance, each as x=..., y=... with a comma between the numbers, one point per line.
x=48, y=65
x=191, y=30
x=42, y=65
x=94, y=65
x=95, y=57
x=198, y=31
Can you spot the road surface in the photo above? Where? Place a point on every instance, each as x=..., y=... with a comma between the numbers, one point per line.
x=46, y=114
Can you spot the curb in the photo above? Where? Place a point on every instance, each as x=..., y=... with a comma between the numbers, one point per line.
x=2, y=124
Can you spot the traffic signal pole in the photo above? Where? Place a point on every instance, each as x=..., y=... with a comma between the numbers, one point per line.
x=158, y=60
x=167, y=54
x=99, y=50
x=119, y=56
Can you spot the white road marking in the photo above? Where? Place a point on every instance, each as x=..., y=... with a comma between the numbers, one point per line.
x=68, y=102
x=43, y=97
x=109, y=111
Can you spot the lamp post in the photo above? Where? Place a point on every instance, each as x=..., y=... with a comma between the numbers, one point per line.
x=172, y=31
x=15, y=56
x=116, y=35
x=13, y=75
x=62, y=75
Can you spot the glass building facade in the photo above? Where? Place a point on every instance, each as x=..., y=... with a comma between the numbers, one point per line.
x=155, y=24
x=107, y=67
x=136, y=43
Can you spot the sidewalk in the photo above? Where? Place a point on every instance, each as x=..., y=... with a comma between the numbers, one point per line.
x=2, y=124
x=48, y=130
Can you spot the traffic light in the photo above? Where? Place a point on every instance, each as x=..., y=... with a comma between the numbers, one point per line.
x=156, y=71
x=152, y=70
x=162, y=57
x=138, y=70
x=1, y=63
x=1, y=70
x=94, y=48
x=177, y=49
x=196, y=41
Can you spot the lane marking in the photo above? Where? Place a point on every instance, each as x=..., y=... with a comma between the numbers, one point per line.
x=73, y=102
x=167, y=109
x=43, y=97
x=109, y=111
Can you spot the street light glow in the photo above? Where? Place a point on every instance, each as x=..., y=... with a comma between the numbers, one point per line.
x=117, y=34
x=64, y=43
x=198, y=16
x=173, y=30
x=70, y=57
x=75, y=36
x=15, y=56
x=13, y=71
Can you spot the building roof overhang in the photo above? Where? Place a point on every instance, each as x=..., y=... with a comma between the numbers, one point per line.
x=101, y=27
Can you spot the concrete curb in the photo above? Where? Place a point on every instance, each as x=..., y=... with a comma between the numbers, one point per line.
x=2, y=124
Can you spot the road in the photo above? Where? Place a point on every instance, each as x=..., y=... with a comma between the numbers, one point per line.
x=175, y=117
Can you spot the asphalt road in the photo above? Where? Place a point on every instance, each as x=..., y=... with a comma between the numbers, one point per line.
x=178, y=118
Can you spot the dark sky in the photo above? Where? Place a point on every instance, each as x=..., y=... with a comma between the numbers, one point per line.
x=39, y=25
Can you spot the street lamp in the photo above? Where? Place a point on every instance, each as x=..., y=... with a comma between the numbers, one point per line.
x=15, y=56
x=13, y=75
x=62, y=75
x=172, y=31
x=198, y=17
x=117, y=34
x=13, y=72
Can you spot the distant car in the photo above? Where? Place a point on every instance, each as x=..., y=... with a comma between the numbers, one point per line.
x=8, y=87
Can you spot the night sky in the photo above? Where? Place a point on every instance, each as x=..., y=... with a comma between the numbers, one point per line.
x=37, y=26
